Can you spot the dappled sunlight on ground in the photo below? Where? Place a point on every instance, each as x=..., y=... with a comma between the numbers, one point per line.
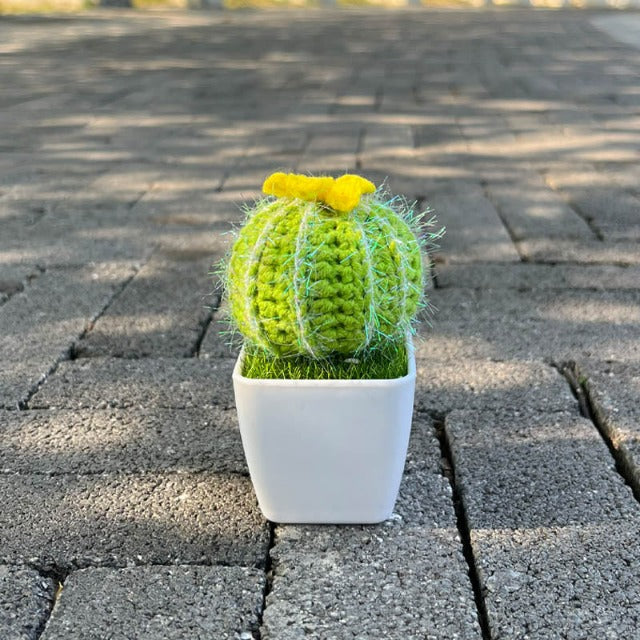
x=131, y=142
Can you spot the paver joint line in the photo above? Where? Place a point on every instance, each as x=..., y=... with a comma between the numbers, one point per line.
x=505, y=223
x=464, y=531
x=58, y=577
x=69, y=353
x=588, y=219
x=624, y=464
x=269, y=576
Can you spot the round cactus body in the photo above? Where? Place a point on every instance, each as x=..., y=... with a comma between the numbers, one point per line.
x=304, y=278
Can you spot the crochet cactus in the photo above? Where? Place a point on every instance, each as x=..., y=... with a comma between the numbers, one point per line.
x=326, y=268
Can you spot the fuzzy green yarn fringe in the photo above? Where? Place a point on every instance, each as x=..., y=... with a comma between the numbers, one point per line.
x=304, y=279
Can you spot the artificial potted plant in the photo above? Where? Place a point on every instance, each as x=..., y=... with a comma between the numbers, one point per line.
x=324, y=281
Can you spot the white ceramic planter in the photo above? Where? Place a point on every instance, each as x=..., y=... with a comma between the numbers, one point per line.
x=325, y=451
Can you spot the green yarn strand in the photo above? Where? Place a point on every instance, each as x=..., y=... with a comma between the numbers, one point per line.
x=298, y=294
x=369, y=301
x=244, y=263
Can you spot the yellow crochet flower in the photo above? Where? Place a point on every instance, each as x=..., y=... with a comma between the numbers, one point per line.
x=342, y=194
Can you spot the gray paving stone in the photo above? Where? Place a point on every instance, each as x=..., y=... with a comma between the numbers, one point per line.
x=487, y=134
x=68, y=218
x=191, y=148
x=380, y=137
x=113, y=440
x=332, y=150
x=530, y=469
x=220, y=341
x=417, y=176
x=484, y=385
x=540, y=86
x=507, y=324
x=623, y=174
x=532, y=210
x=324, y=596
x=527, y=275
x=33, y=187
x=178, y=602
x=614, y=212
x=357, y=102
x=64, y=245
x=26, y=598
x=250, y=172
x=577, y=144
x=39, y=325
x=118, y=520
x=593, y=252
x=623, y=28
x=205, y=212
x=474, y=229
x=290, y=139
x=405, y=578
x=113, y=192
x=551, y=522
x=610, y=209
x=180, y=179
x=14, y=277
x=614, y=390
x=32, y=192
x=162, y=312
x=277, y=150
x=563, y=115
x=11, y=283
x=438, y=136
x=153, y=383
x=423, y=455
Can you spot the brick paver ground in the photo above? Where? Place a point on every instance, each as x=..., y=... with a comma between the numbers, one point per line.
x=128, y=142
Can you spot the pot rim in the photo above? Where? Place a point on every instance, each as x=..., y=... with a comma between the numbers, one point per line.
x=314, y=382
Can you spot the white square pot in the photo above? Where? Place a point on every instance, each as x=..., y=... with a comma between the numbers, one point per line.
x=325, y=451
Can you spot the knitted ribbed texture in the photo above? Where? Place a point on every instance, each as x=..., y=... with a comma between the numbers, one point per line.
x=305, y=279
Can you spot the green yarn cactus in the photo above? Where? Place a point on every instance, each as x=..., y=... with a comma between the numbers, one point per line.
x=308, y=278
